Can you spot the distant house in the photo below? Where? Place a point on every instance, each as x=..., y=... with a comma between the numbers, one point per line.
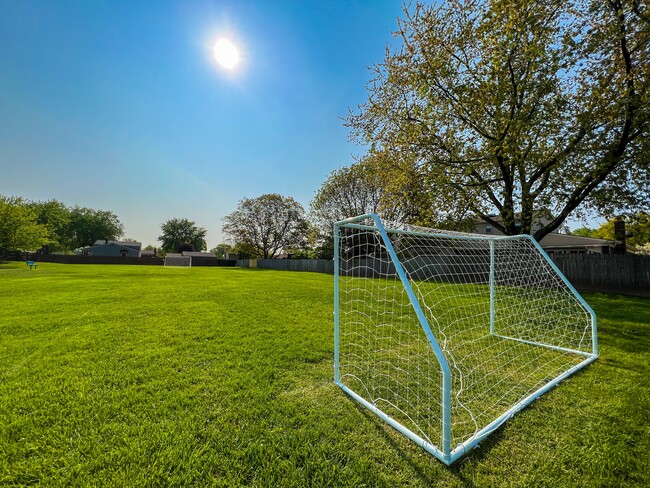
x=554, y=242
x=482, y=227
x=149, y=253
x=105, y=247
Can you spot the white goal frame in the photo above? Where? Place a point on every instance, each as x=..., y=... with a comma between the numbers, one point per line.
x=371, y=345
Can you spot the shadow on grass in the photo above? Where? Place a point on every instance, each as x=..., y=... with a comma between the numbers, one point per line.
x=431, y=477
x=613, y=307
x=630, y=340
x=623, y=321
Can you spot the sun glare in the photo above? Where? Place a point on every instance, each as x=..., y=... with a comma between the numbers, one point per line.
x=226, y=53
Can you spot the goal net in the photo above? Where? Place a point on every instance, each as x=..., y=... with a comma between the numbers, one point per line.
x=446, y=335
x=178, y=260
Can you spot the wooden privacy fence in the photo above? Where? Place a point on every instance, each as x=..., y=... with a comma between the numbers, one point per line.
x=313, y=265
x=77, y=259
x=625, y=274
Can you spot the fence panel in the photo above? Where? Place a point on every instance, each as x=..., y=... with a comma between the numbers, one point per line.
x=625, y=274
x=76, y=259
x=312, y=265
x=148, y=261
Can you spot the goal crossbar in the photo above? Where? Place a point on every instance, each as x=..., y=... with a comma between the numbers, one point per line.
x=445, y=451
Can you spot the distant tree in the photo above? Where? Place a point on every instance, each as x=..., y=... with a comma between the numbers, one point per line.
x=19, y=227
x=244, y=250
x=583, y=232
x=605, y=231
x=376, y=185
x=517, y=106
x=156, y=251
x=55, y=216
x=221, y=250
x=267, y=225
x=176, y=232
x=347, y=192
x=637, y=226
x=185, y=247
x=87, y=225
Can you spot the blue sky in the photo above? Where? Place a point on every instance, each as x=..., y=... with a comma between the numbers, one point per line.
x=119, y=105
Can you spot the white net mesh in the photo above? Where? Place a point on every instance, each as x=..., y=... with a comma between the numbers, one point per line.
x=539, y=328
x=178, y=261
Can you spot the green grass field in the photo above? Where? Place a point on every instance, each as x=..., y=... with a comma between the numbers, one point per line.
x=153, y=376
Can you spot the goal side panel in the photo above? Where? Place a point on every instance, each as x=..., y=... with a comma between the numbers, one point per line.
x=383, y=353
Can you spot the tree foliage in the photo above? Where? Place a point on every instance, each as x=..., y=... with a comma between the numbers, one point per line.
x=63, y=228
x=55, y=216
x=19, y=227
x=177, y=233
x=350, y=191
x=221, y=250
x=267, y=225
x=637, y=226
x=87, y=225
x=375, y=185
x=518, y=106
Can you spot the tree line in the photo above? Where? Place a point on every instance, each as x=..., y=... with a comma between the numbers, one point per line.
x=51, y=226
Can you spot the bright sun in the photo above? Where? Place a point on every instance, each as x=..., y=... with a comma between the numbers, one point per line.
x=226, y=53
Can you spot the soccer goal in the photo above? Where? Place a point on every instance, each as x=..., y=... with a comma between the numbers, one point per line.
x=446, y=335
x=178, y=260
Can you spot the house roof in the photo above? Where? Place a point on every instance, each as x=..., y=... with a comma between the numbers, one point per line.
x=112, y=244
x=565, y=240
x=132, y=245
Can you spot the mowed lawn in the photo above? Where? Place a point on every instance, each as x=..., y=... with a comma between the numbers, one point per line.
x=153, y=376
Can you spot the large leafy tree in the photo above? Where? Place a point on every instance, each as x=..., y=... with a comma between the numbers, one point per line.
x=55, y=216
x=87, y=225
x=519, y=106
x=347, y=192
x=177, y=234
x=267, y=225
x=361, y=188
x=375, y=185
x=19, y=228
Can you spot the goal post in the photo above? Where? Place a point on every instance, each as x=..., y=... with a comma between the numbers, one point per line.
x=446, y=335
